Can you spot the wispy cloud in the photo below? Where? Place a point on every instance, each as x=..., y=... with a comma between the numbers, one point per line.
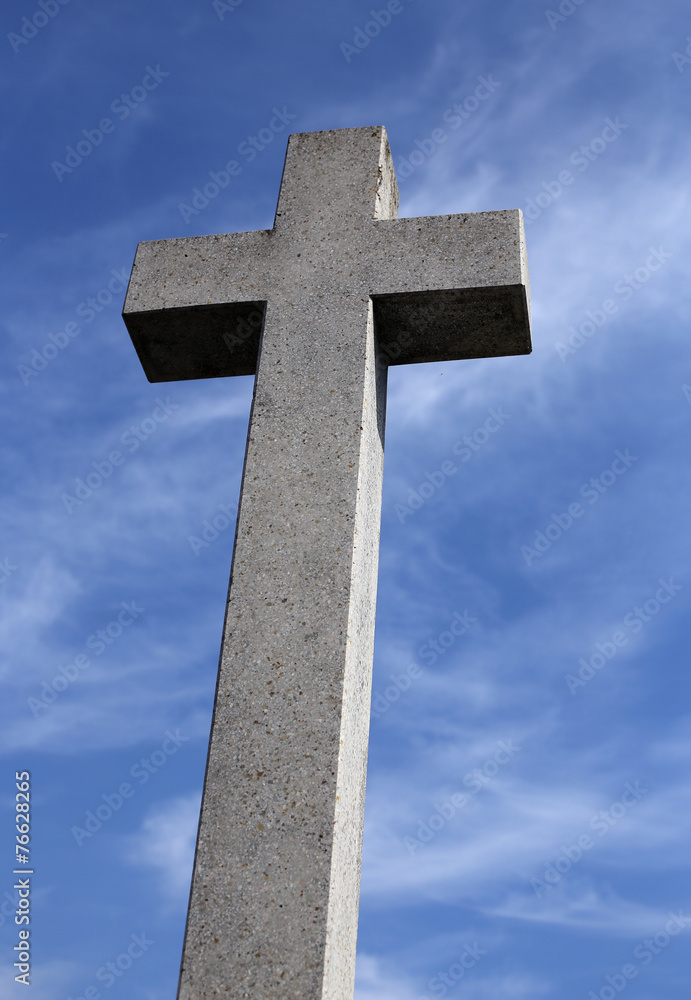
x=164, y=846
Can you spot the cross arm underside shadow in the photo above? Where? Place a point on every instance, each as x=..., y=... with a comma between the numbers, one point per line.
x=452, y=325
x=205, y=341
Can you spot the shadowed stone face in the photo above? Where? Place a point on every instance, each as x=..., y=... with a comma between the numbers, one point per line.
x=317, y=307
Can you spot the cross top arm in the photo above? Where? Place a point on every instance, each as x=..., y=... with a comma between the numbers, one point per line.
x=443, y=288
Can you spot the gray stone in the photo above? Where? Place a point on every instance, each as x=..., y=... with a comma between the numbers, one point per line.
x=318, y=307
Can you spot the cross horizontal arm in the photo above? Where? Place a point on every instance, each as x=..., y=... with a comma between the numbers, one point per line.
x=195, y=306
x=444, y=288
x=451, y=287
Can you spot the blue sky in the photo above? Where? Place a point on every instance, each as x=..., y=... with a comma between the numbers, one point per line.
x=559, y=721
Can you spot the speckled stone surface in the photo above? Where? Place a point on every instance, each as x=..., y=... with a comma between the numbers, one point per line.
x=318, y=307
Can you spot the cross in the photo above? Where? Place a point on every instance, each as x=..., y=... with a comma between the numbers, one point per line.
x=316, y=308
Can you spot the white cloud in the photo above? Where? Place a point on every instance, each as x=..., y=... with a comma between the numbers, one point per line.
x=49, y=980
x=380, y=978
x=165, y=844
x=36, y=600
x=377, y=979
x=580, y=904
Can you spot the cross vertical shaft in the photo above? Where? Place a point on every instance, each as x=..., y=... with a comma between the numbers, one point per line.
x=275, y=894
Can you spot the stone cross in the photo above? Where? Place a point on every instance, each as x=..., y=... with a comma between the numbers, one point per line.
x=317, y=308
